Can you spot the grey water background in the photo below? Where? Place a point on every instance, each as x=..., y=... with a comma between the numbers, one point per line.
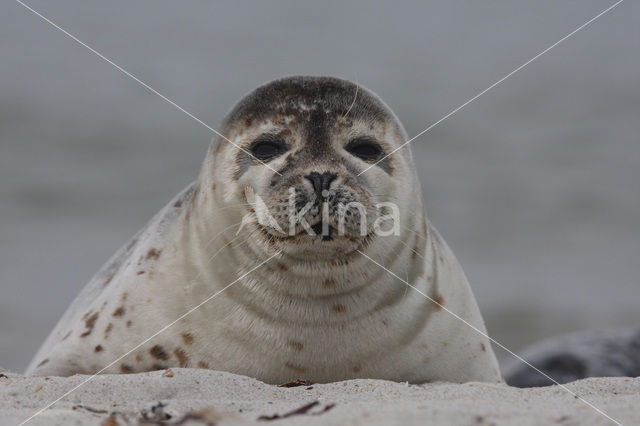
x=535, y=185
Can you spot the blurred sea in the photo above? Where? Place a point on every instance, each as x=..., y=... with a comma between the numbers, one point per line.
x=535, y=185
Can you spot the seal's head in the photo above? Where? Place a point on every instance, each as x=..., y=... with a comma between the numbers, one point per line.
x=298, y=148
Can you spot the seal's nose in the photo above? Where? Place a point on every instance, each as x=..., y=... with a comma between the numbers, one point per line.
x=321, y=182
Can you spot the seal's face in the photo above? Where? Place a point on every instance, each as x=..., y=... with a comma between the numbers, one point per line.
x=304, y=143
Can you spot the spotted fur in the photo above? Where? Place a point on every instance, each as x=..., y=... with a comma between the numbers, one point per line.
x=319, y=310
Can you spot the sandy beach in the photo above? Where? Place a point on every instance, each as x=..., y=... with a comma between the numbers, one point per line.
x=201, y=397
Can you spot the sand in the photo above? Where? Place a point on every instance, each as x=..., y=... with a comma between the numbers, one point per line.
x=199, y=397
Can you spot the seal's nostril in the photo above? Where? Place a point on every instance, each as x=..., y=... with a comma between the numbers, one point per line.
x=321, y=182
x=316, y=180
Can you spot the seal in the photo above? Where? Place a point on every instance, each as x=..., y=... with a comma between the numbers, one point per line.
x=281, y=226
x=578, y=355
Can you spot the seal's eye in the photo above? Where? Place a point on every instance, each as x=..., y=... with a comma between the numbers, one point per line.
x=364, y=149
x=266, y=149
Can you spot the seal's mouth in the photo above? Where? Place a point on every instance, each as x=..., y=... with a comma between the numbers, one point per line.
x=306, y=226
x=324, y=234
x=304, y=245
x=315, y=229
x=321, y=232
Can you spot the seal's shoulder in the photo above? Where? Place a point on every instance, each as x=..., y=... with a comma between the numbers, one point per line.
x=108, y=273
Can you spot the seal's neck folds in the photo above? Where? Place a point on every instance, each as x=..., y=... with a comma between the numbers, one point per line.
x=223, y=246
